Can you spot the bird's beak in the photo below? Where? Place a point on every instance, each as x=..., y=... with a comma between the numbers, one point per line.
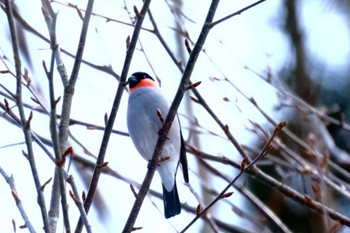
x=132, y=79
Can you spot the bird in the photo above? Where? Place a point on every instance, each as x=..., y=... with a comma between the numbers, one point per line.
x=146, y=108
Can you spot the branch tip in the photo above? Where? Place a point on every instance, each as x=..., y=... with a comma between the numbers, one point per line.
x=75, y=199
x=102, y=165
x=137, y=12
x=68, y=151
x=83, y=196
x=27, y=126
x=105, y=118
x=136, y=228
x=193, y=85
x=281, y=125
x=188, y=46
x=226, y=129
x=7, y=107
x=132, y=188
x=243, y=164
x=4, y=71
x=160, y=116
x=226, y=195
x=44, y=185
x=252, y=100
x=194, y=99
x=13, y=221
x=24, y=154
x=27, y=78
x=35, y=100
x=127, y=42
x=198, y=209
x=44, y=12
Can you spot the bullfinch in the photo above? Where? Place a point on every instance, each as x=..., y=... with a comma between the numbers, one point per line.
x=144, y=124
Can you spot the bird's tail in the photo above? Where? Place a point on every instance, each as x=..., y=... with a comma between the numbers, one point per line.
x=171, y=200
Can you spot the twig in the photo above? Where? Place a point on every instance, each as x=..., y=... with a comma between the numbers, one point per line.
x=11, y=182
x=76, y=197
x=67, y=105
x=163, y=42
x=69, y=88
x=108, y=19
x=277, y=224
x=50, y=18
x=236, y=13
x=24, y=123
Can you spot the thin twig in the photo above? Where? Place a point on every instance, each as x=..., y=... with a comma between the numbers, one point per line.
x=66, y=106
x=69, y=88
x=77, y=201
x=50, y=18
x=108, y=19
x=236, y=13
x=11, y=182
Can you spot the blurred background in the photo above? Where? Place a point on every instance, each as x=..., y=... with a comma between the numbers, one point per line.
x=281, y=60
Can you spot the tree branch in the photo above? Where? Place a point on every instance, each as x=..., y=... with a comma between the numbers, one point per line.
x=11, y=182
x=24, y=122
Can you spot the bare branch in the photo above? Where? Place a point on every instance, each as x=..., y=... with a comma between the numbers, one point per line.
x=236, y=13
x=19, y=102
x=11, y=182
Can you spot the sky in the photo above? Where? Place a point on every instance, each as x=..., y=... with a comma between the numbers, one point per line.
x=252, y=41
